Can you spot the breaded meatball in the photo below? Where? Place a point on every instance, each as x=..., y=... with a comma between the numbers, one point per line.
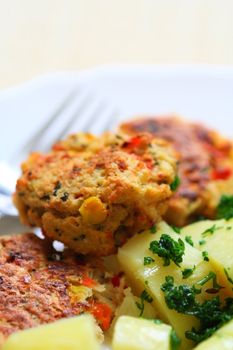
x=205, y=167
x=91, y=193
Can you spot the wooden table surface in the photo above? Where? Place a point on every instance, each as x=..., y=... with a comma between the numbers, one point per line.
x=40, y=36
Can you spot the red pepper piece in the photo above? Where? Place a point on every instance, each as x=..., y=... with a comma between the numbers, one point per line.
x=221, y=173
x=103, y=314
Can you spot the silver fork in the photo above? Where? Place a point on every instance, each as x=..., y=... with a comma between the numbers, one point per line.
x=79, y=111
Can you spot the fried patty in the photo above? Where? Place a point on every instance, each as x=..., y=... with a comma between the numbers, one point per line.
x=39, y=285
x=91, y=193
x=205, y=167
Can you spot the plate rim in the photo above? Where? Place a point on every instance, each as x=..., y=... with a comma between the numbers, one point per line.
x=197, y=71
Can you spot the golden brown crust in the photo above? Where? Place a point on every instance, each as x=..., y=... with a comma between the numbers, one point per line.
x=92, y=193
x=205, y=168
x=39, y=285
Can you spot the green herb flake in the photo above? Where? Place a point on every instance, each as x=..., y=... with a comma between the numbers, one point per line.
x=176, y=229
x=141, y=305
x=188, y=272
x=225, y=207
x=175, y=341
x=175, y=184
x=228, y=276
x=179, y=298
x=210, y=230
x=211, y=276
x=57, y=188
x=211, y=314
x=148, y=260
x=65, y=196
x=229, y=228
x=207, y=278
x=202, y=242
x=153, y=229
x=168, y=249
x=189, y=240
x=205, y=256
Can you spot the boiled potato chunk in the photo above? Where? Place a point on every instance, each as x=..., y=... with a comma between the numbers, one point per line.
x=222, y=339
x=151, y=277
x=129, y=308
x=215, y=237
x=132, y=333
x=216, y=342
x=76, y=333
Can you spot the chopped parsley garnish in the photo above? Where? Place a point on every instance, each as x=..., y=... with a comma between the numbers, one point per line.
x=225, y=207
x=211, y=314
x=179, y=298
x=210, y=230
x=168, y=249
x=65, y=196
x=176, y=229
x=188, y=272
x=205, y=255
x=175, y=341
x=211, y=276
x=143, y=297
x=189, y=240
x=228, y=276
x=148, y=260
x=175, y=184
x=56, y=188
x=202, y=242
x=153, y=229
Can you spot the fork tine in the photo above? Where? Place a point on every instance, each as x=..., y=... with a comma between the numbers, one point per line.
x=76, y=114
x=108, y=116
x=31, y=143
x=81, y=108
x=93, y=117
x=111, y=121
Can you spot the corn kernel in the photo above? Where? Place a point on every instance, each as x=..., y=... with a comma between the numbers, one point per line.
x=93, y=210
x=79, y=293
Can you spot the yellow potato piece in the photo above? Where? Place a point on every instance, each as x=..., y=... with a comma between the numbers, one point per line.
x=151, y=277
x=76, y=333
x=128, y=307
x=220, y=340
x=132, y=333
x=216, y=343
x=218, y=242
x=93, y=210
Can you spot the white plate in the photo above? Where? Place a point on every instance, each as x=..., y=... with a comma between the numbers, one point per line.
x=198, y=92
x=201, y=93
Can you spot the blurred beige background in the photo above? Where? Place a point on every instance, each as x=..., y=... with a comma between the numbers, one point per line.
x=40, y=36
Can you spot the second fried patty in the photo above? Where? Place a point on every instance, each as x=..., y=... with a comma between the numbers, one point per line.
x=205, y=167
x=91, y=193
